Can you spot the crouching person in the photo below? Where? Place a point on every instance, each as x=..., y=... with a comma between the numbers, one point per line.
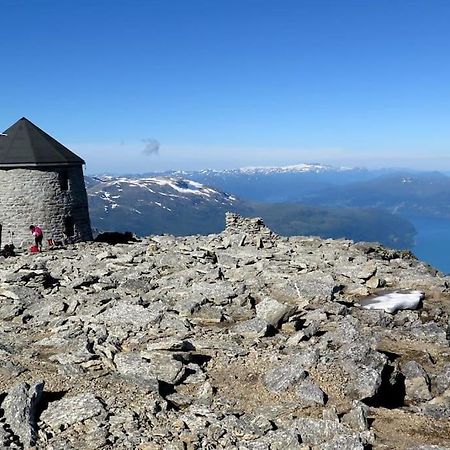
x=38, y=236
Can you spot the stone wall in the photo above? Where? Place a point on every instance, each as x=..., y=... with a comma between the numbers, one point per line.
x=47, y=197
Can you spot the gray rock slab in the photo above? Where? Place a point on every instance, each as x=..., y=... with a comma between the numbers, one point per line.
x=284, y=376
x=222, y=344
x=417, y=382
x=440, y=411
x=363, y=367
x=20, y=407
x=147, y=368
x=441, y=380
x=316, y=285
x=275, y=440
x=71, y=410
x=21, y=294
x=428, y=447
x=320, y=431
x=309, y=394
x=188, y=305
x=135, y=316
x=272, y=311
x=343, y=443
x=283, y=440
x=253, y=328
x=306, y=357
x=217, y=290
x=356, y=418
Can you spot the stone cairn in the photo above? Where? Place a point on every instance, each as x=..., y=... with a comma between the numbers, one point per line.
x=244, y=230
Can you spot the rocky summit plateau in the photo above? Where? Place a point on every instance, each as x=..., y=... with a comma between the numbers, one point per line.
x=239, y=340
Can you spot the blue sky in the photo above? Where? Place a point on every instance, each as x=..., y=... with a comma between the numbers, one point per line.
x=229, y=83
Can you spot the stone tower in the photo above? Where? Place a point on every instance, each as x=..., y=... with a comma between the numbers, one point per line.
x=41, y=183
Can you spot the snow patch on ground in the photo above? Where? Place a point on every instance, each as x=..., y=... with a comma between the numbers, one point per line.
x=162, y=206
x=394, y=301
x=106, y=196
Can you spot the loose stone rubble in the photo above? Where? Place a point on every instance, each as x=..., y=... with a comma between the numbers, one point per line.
x=242, y=340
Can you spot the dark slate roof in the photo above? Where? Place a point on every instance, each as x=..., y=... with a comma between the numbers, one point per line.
x=25, y=145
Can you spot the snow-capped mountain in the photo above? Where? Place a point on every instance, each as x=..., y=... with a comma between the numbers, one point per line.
x=112, y=189
x=314, y=168
x=276, y=184
x=296, y=168
x=175, y=205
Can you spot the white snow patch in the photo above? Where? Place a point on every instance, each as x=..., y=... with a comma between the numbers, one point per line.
x=106, y=196
x=394, y=301
x=162, y=206
x=174, y=184
x=196, y=184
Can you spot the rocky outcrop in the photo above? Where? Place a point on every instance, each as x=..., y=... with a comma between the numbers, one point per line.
x=241, y=340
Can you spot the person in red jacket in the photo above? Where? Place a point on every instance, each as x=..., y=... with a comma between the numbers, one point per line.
x=38, y=236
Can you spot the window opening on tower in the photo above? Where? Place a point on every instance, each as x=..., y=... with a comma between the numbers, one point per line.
x=69, y=227
x=64, y=180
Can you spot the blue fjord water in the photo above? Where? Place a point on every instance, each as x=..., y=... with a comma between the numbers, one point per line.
x=433, y=242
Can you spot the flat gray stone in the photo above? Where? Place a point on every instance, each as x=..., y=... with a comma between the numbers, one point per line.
x=284, y=376
x=272, y=312
x=315, y=285
x=309, y=394
x=148, y=368
x=320, y=431
x=133, y=315
x=343, y=443
x=253, y=328
x=71, y=410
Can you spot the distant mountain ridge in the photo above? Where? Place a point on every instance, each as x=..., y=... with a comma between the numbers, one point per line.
x=274, y=184
x=293, y=168
x=399, y=191
x=180, y=206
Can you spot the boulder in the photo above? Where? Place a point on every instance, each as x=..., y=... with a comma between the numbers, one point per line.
x=285, y=375
x=20, y=409
x=71, y=410
x=417, y=382
x=272, y=311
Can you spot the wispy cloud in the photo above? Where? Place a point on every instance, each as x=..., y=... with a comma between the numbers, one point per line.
x=151, y=147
